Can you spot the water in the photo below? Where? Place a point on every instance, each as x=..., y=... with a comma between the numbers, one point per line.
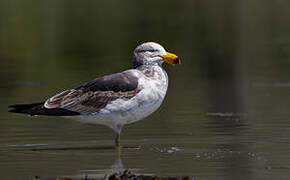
x=226, y=114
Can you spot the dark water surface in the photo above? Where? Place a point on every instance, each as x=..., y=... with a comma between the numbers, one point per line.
x=226, y=114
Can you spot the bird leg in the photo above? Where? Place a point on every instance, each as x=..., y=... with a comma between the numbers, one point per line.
x=117, y=141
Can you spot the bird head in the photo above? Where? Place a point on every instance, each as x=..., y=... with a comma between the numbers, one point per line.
x=151, y=53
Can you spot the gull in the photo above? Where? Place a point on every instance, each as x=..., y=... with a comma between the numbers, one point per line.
x=113, y=100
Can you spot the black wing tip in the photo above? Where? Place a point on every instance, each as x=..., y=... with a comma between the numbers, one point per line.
x=14, y=110
x=23, y=108
x=18, y=111
x=39, y=109
x=20, y=106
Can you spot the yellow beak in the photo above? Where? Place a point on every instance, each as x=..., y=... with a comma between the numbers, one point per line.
x=171, y=58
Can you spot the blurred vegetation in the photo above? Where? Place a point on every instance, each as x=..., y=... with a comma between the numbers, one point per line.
x=83, y=34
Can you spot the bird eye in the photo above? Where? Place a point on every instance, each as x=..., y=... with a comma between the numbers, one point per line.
x=149, y=50
x=152, y=50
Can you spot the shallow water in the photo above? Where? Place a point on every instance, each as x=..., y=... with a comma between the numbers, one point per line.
x=226, y=114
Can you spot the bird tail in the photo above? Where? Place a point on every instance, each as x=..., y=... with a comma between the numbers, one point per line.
x=39, y=109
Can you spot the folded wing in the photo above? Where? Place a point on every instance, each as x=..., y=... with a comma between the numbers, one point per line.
x=95, y=95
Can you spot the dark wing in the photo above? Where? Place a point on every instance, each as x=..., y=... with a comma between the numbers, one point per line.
x=124, y=82
x=95, y=95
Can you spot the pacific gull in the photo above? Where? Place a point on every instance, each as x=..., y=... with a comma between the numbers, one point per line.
x=113, y=100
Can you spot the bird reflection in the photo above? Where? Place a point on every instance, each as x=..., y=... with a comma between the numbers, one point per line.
x=117, y=166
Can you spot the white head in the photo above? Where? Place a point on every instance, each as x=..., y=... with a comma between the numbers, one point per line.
x=151, y=53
